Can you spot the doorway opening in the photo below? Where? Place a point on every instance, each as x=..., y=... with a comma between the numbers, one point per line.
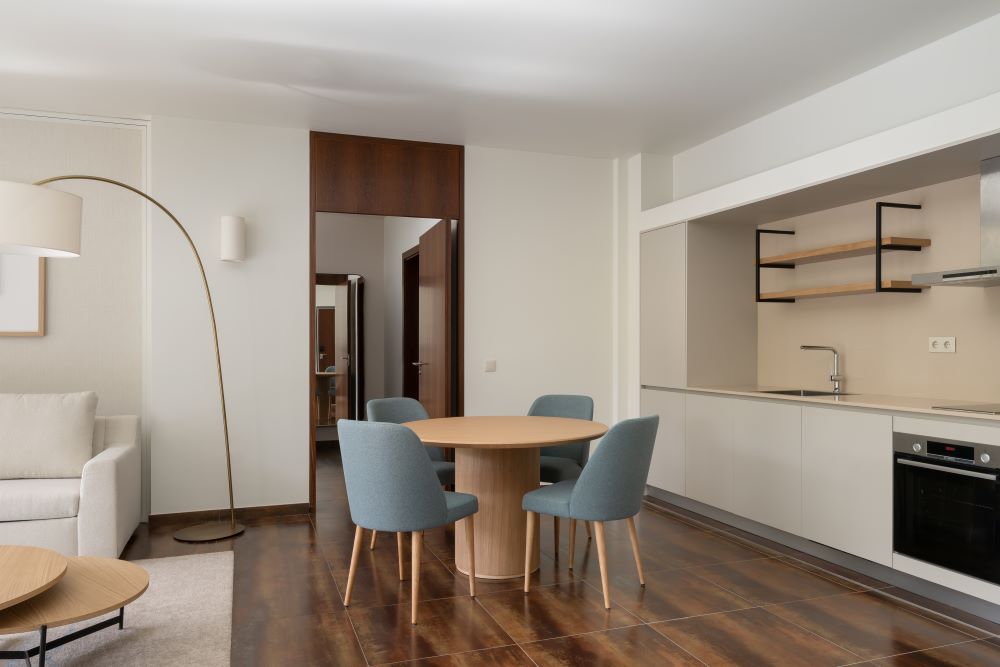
x=385, y=317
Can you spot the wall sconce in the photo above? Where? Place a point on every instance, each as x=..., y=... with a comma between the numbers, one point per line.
x=233, y=246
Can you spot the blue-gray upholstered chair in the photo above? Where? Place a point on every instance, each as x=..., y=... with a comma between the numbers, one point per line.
x=399, y=410
x=563, y=462
x=610, y=488
x=391, y=486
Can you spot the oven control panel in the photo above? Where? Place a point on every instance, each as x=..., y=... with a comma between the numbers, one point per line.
x=943, y=449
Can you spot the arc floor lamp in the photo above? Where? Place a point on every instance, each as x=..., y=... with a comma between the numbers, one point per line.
x=40, y=221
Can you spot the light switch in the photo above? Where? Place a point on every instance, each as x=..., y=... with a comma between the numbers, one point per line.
x=490, y=366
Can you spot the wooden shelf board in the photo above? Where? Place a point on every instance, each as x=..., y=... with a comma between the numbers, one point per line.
x=836, y=290
x=842, y=251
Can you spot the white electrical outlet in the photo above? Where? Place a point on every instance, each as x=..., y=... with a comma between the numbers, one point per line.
x=490, y=366
x=941, y=344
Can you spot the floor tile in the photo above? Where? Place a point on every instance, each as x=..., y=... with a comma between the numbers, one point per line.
x=453, y=625
x=326, y=639
x=636, y=646
x=770, y=580
x=982, y=624
x=752, y=637
x=869, y=624
x=968, y=654
x=506, y=656
x=554, y=611
x=548, y=573
x=381, y=586
x=270, y=593
x=671, y=594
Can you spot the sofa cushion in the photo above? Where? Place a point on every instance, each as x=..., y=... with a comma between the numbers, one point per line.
x=44, y=436
x=30, y=499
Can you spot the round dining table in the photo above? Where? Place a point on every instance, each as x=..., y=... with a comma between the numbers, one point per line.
x=497, y=460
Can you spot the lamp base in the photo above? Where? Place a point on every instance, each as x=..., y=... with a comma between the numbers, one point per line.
x=208, y=532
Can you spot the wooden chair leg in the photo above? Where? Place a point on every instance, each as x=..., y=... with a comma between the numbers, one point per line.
x=602, y=558
x=416, y=544
x=470, y=544
x=555, y=535
x=374, y=537
x=589, y=534
x=399, y=552
x=572, y=541
x=359, y=534
x=635, y=550
x=529, y=542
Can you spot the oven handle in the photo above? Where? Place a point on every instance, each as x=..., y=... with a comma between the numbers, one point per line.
x=953, y=471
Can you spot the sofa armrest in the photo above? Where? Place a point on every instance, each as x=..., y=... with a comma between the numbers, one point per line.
x=110, y=500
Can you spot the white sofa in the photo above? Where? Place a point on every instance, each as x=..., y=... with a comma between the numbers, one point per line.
x=91, y=515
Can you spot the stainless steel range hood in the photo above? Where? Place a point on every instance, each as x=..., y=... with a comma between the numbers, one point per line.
x=988, y=274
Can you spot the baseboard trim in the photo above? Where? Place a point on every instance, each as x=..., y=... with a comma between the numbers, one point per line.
x=242, y=514
x=718, y=519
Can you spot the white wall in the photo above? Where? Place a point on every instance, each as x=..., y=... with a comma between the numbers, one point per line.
x=93, y=336
x=952, y=71
x=400, y=235
x=538, y=288
x=201, y=171
x=353, y=244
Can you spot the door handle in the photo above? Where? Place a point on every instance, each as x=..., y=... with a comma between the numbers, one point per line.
x=951, y=471
x=420, y=365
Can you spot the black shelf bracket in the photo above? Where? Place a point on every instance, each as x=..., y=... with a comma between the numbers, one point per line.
x=759, y=266
x=879, y=247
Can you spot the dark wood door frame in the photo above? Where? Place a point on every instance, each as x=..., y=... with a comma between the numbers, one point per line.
x=387, y=177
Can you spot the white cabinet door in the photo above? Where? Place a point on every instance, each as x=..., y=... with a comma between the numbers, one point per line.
x=708, y=450
x=663, y=307
x=666, y=470
x=847, y=481
x=767, y=463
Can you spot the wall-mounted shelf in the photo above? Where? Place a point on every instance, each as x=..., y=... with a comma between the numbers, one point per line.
x=842, y=251
x=875, y=246
x=838, y=290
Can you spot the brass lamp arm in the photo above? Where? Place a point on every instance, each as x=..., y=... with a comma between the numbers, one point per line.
x=211, y=310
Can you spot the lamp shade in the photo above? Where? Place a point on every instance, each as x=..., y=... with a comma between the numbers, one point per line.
x=233, y=245
x=36, y=220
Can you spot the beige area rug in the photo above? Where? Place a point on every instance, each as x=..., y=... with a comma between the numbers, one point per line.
x=185, y=618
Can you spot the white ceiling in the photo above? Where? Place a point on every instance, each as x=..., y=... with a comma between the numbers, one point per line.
x=591, y=77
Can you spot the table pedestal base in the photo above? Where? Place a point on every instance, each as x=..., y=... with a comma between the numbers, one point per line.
x=499, y=478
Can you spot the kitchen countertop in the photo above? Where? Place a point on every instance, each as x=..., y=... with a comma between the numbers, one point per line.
x=872, y=401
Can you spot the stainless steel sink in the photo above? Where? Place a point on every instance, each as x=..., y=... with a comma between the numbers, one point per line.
x=801, y=392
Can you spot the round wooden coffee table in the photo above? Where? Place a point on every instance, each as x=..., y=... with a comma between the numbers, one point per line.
x=497, y=460
x=91, y=587
x=27, y=571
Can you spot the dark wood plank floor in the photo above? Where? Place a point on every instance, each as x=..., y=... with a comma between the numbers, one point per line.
x=714, y=596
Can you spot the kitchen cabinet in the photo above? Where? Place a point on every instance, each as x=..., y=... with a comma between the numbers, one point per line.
x=847, y=481
x=666, y=470
x=767, y=463
x=708, y=450
x=663, y=307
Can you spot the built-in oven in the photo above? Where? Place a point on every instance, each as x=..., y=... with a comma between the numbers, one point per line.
x=947, y=504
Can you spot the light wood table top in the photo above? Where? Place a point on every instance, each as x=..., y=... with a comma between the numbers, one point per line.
x=27, y=571
x=91, y=587
x=504, y=432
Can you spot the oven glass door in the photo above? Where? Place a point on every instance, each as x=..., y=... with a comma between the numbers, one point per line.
x=948, y=515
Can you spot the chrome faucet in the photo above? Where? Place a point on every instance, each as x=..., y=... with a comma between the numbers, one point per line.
x=835, y=377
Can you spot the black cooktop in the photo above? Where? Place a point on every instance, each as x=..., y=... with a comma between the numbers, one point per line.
x=981, y=408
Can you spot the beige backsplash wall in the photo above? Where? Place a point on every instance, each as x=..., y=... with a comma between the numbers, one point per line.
x=883, y=337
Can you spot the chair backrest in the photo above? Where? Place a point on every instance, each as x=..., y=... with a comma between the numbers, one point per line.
x=399, y=410
x=613, y=483
x=565, y=405
x=391, y=484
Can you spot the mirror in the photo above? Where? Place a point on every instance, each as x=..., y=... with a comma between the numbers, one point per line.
x=339, y=346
